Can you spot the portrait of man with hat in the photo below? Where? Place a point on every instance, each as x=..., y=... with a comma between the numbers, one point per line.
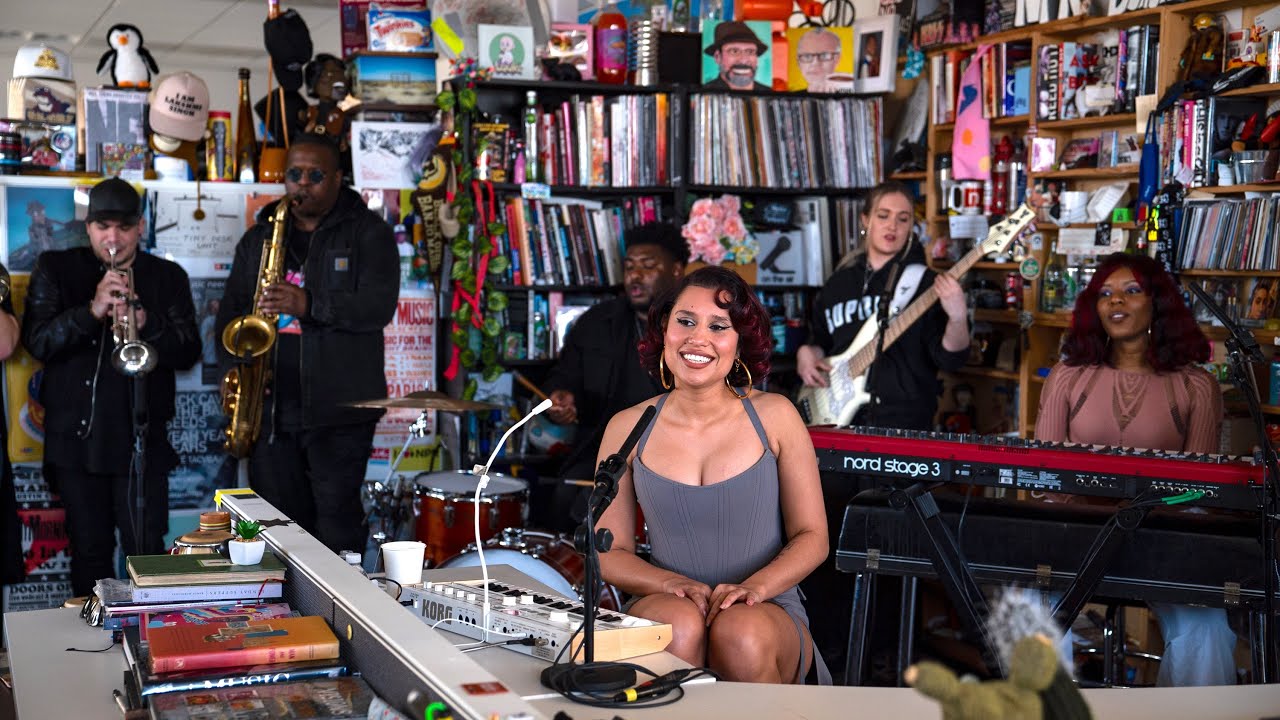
x=739, y=56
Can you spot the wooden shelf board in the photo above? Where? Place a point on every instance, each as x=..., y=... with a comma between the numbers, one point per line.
x=752, y=190
x=1050, y=227
x=1264, y=89
x=594, y=190
x=988, y=372
x=909, y=175
x=1111, y=172
x=996, y=316
x=987, y=265
x=1011, y=120
x=1242, y=405
x=1229, y=189
x=1060, y=320
x=1200, y=272
x=945, y=127
x=1087, y=122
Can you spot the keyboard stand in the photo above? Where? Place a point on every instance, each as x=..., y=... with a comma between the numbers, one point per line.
x=959, y=584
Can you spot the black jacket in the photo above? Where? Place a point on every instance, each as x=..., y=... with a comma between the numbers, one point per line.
x=600, y=365
x=352, y=275
x=59, y=331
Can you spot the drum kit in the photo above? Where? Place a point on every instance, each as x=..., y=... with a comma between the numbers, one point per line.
x=440, y=509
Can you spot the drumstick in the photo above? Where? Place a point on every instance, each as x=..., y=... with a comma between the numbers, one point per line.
x=528, y=385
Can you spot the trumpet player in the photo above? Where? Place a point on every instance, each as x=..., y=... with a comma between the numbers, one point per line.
x=78, y=302
x=338, y=289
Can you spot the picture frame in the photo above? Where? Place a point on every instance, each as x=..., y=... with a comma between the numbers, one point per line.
x=876, y=54
x=809, y=65
x=718, y=67
x=508, y=50
x=573, y=43
x=391, y=155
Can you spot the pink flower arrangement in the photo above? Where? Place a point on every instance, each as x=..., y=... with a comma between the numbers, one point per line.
x=716, y=233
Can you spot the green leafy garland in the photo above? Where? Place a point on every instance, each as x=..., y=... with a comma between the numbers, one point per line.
x=476, y=338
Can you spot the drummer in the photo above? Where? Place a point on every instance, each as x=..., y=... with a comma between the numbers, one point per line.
x=599, y=370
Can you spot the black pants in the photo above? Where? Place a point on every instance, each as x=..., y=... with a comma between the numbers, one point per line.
x=314, y=477
x=97, y=505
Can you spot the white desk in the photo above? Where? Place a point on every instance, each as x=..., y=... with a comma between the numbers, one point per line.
x=52, y=683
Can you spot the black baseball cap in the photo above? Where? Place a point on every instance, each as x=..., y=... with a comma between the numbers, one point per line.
x=114, y=199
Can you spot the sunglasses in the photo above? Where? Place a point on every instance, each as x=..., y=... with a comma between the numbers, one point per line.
x=314, y=175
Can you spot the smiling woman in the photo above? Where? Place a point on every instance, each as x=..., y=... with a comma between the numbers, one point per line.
x=728, y=482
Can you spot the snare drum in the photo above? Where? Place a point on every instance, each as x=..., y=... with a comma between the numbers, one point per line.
x=549, y=559
x=444, y=503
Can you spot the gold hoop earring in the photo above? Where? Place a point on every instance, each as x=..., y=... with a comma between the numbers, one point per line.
x=738, y=363
x=662, y=371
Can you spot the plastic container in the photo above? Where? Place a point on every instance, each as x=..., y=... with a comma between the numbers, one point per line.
x=1248, y=166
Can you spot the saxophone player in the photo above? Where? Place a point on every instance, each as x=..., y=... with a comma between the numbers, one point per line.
x=75, y=299
x=340, y=284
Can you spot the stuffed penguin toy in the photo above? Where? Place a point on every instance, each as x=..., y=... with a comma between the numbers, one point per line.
x=131, y=64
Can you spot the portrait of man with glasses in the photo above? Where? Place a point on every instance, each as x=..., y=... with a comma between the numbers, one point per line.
x=739, y=58
x=817, y=53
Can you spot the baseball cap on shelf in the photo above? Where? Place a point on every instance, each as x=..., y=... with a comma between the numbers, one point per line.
x=38, y=60
x=113, y=199
x=180, y=107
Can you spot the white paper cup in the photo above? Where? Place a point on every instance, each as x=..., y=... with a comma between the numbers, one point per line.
x=403, y=560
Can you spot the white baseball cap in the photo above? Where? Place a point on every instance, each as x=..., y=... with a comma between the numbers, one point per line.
x=38, y=60
x=180, y=107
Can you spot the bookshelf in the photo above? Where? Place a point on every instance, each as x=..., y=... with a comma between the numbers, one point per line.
x=1171, y=24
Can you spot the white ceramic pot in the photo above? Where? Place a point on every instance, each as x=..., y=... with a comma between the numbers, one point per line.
x=246, y=552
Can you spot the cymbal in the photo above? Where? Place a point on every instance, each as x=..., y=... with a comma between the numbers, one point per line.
x=426, y=400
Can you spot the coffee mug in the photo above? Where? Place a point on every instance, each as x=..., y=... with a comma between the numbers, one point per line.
x=965, y=197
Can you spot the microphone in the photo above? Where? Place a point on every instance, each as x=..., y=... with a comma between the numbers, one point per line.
x=483, y=472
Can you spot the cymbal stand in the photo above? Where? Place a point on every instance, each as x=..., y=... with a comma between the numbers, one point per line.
x=395, y=508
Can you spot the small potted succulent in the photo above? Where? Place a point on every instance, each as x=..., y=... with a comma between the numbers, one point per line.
x=246, y=547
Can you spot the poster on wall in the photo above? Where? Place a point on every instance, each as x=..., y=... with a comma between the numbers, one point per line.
x=24, y=416
x=38, y=219
x=196, y=434
x=391, y=155
x=43, y=533
x=206, y=295
x=198, y=231
x=410, y=366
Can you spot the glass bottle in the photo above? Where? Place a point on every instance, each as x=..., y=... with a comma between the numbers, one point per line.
x=1051, y=292
x=246, y=142
x=532, y=172
x=611, y=44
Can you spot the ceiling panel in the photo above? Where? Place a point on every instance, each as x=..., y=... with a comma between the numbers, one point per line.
x=162, y=22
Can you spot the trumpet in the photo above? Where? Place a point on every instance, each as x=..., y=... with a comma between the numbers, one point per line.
x=130, y=356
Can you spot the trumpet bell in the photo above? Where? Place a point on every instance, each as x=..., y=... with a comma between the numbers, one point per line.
x=134, y=358
x=251, y=335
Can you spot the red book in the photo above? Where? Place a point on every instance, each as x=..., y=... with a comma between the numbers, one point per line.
x=229, y=644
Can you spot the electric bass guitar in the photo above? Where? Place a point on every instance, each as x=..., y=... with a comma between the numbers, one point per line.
x=846, y=390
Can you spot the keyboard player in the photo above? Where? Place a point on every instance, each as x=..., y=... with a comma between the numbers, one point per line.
x=1128, y=378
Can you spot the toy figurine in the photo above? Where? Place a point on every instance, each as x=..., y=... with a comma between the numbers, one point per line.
x=1202, y=56
x=131, y=63
x=326, y=78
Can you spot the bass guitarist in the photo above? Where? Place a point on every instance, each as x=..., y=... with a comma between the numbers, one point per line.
x=904, y=379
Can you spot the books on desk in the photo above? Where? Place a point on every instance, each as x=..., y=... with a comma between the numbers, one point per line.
x=137, y=651
x=220, y=644
x=205, y=616
x=120, y=597
x=335, y=699
x=169, y=570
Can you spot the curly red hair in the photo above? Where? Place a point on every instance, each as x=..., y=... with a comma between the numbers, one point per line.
x=749, y=318
x=1176, y=338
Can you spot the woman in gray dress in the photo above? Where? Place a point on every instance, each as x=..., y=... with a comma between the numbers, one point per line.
x=728, y=483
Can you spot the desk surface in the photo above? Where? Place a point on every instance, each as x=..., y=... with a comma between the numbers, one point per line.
x=50, y=682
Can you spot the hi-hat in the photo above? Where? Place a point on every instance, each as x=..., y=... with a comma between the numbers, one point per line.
x=426, y=400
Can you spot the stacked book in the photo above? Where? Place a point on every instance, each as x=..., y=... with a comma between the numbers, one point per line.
x=161, y=583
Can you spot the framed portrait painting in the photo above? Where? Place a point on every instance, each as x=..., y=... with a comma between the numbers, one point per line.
x=820, y=59
x=876, y=61
x=736, y=55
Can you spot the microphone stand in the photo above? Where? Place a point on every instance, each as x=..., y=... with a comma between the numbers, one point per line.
x=138, y=464
x=1243, y=351
x=590, y=543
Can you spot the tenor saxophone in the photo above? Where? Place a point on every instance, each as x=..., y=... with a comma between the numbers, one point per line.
x=251, y=338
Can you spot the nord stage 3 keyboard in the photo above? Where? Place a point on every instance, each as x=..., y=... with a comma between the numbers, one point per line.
x=1002, y=462
x=547, y=622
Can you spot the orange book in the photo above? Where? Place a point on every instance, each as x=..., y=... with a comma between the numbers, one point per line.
x=229, y=644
